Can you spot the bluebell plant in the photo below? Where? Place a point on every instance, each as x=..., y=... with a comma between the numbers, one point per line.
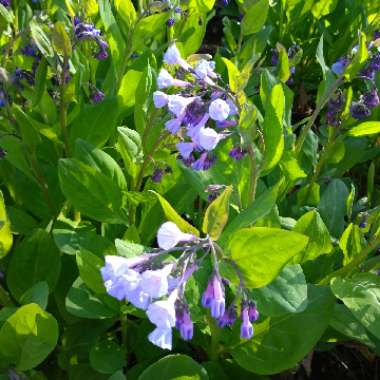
x=154, y=283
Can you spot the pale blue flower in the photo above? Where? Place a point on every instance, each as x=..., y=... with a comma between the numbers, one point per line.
x=169, y=235
x=155, y=282
x=160, y=99
x=219, y=110
x=161, y=337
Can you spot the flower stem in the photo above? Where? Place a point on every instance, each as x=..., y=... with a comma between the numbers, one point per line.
x=62, y=107
x=214, y=344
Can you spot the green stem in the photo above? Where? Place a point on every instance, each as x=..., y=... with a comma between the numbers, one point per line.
x=357, y=261
x=123, y=323
x=254, y=174
x=313, y=118
x=62, y=108
x=214, y=344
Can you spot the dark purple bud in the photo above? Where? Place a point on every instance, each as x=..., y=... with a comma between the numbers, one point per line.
x=359, y=110
x=3, y=99
x=368, y=73
x=194, y=112
x=363, y=224
x=97, y=96
x=76, y=20
x=170, y=22
x=371, y=99
x=229, y=317
x=3, y=153
x=102, y=55
x=30, y=50
x=246, y=328
x=6, y=3
x=208, y=295
x=274, y=58
x=204, y=162
x=226, y=124
x=253, y=313
x=376, y=35
x=157, y=175
x=178, y=10
x=237, y=153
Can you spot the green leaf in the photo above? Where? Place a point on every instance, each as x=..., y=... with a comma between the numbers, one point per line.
x=344, y=322
x=255, y=17
x=107, y=356
x=234, y=75
x=321, y=58
x=259, y=208
x=311, y=225
x=351, y=243
x=6, y=237
x=38, y=293
x=128, y=87
x=96, y=123
x=281, y=342
x=287, y=293
x=100, y=160
x=40, y=85
x=70, y=242
x=323, y=8
x=28, y=336
x=193, y=31
x=365, y=129
x=41, y=39
x=262, y=252
x=126, y=10
x=283, y=64
x=89, y=270
x=61, y=40
x=273, y=134
x=359, y=59
x=361, y=294
x=172, y=215
x=216, y=215
x=35, y=259
x=332, y=206
x=118, y=376
x=175, y=367
x=82, y=303
x=91, y=192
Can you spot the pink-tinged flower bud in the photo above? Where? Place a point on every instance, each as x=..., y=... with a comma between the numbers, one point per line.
x=173, y=57
x=161, y=337
x=253, y=313
x=184, y=323
x=160, y=99
x=219, y=110
x=208, y=138
x=229, y=317
x=213, y=297
x=169, y=235
x=246, y=328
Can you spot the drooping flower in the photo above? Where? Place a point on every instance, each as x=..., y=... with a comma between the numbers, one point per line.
x=219, y=110
x=237, y=153
x=155, y=282
x=157, y=175
x=213, y=297
x=229, y=317
x=165, y=80
x=185, y=149
x=169, y=235
x=253, y=313
x=162, y=313
x=246, y=328
x=173, y=57
x=208, y=138
x=161, y=337
x=177, y=104
x=160, y=99
x=184, y=323
x=6, y=3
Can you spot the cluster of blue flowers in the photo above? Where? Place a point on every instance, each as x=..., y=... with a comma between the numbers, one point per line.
x=151, y=283
x=361, y=108
x=202, y=112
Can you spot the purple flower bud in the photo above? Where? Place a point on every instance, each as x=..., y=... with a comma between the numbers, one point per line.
x=3, y=99
x=237, y=153
x=178, y=10
x=213, y=297
x=170, y=22
x=184, y=323
x=253, y=313
x=339, y=66
x=204, y=162
x=97, y=96
x=359, y=110
x=30, y=50
x=246, y=328
x=229, y=317
x=371, y=99
x=6, y=3
x=274, y=57
x=102, y=55
x=157, y=175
